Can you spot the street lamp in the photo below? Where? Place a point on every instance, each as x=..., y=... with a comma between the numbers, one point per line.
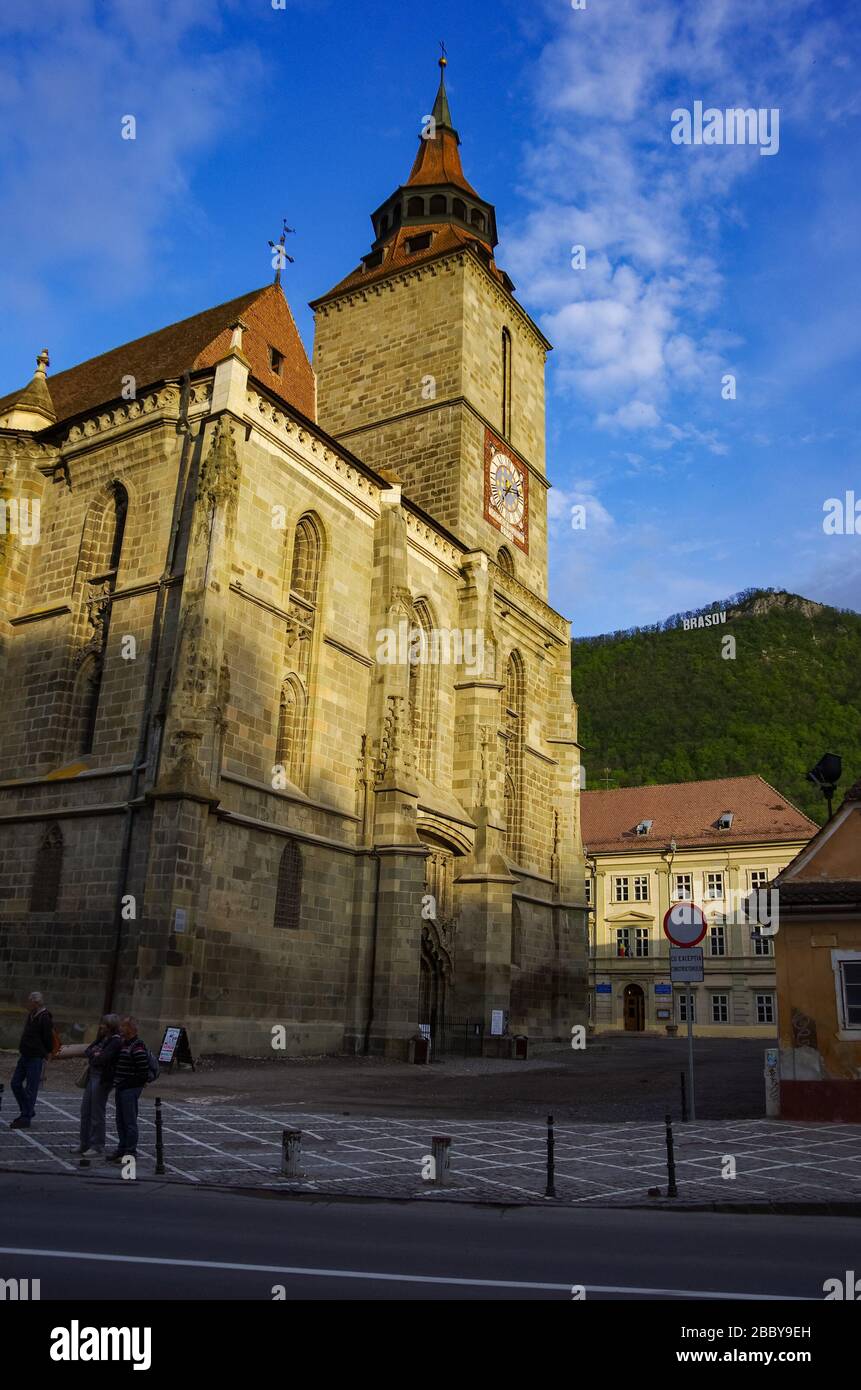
x=825, y=775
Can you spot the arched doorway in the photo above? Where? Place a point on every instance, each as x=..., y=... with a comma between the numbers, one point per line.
x=432, y=984
x=634, y=1009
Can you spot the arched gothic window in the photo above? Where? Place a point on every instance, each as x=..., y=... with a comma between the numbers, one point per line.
x=424, y=690
x=416, y=207
x=513, y=728
x=290, y=741
x=99, y=560
x=85, y=706
x=506, y=383
x=505, y=560
x=302, y=603
x=47, y=872
x=288, y=896
x=438, y=202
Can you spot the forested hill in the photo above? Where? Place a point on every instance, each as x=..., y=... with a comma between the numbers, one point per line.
x=663, y=704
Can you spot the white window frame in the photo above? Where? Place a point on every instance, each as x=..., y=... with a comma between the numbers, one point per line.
x=641, y=940
x=711, y=895
x=763, y=946
x=627, y=942
x=761, y=877
x=617, y=880
x=720, y=934
x=641, y=881
x=686, y=894
x=847, y=1032
x=587, y=889
x=682, y=997
x=719, y=994
x=769, y=996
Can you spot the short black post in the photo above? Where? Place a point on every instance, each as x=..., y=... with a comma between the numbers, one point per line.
x=672, y=1190
x=550, y=1190
x=159, y=1138
x=684, y=1099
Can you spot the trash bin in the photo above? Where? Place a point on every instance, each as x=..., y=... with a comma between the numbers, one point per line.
x=521, y=1047
x=421, y=1049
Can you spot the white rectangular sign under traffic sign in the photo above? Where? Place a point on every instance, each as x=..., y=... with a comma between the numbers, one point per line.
x=686, y=965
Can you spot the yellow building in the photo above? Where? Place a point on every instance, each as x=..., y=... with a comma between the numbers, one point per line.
x=818, y=961
x=711, y=843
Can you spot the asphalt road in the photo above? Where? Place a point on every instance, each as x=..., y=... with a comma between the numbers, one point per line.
x=85, y=1241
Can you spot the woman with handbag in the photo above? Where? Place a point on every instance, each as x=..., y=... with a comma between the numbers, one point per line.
x=96, y=1082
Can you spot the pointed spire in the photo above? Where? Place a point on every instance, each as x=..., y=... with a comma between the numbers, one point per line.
x=33, y=409
x=441, y=112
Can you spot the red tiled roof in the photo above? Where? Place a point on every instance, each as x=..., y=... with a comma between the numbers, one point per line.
x=688, y=812
x=193, y=343
x=447, y=237
x=438, y=161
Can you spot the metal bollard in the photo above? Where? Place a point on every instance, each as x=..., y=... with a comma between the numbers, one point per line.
x=159, y=1137
x=684, y=1099
x=291, y=1153
x=672, y=1190
x=550, y=1190
x=441, y=1152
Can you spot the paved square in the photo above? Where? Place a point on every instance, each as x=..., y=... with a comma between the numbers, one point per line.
x=227, y=1143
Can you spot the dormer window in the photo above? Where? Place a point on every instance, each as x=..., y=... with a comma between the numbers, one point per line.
x=725, y=822
x=276, y=361
x=644, y=827
x=372, y=261
x=418, y=243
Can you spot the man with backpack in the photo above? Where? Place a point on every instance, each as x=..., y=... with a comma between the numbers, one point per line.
x=131, y=1073
x=37, y=1043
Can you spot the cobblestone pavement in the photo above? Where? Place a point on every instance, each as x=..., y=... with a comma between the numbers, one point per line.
x=219, y=1142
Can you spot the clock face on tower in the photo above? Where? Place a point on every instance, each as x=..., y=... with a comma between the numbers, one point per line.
x=506, y=491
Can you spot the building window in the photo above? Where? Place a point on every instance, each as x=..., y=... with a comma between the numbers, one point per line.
x=621, y=890
x=641, y=941
x=516, y=935
x=512, y=719
x=623, y=941
x=849, y=974
x=506, y=382
x=717, y=941
x=684, y=888
x=765, y=1008
x=641, y=888
x=714, y=885
x=47, y=871
x=686, y=998
x=276, y=361
x=762, y=946
x=458, y=209
x=438, y=203
x=288, y=898
x=373, y=260
x=418, y=243
x=416, y=207
x=587, y=886
x=757, y=878
x=720, y=1008
x=423, y=688
x=477, y=219
x=505, y=560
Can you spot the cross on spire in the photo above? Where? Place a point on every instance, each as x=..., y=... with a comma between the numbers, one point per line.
x=280, y=254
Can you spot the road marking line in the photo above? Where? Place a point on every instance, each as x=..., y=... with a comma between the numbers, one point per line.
x=393, y=1278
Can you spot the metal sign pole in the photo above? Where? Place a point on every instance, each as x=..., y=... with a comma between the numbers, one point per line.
x=692, y=1101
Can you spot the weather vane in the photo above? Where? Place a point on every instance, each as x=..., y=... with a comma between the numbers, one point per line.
x=280, y=255
x=443, y=60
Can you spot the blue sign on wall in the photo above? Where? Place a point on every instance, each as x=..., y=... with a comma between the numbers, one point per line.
x=603, y=989
x=663, y=989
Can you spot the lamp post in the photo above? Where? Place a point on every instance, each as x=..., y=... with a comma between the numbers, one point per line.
x=825, y=775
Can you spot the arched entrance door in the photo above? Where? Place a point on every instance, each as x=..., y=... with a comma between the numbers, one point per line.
x=634, y=1009
x=432, y=984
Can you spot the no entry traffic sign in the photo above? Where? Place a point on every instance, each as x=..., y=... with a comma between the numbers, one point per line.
x=685, y=924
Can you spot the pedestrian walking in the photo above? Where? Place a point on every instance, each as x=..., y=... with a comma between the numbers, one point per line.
x=37, y=1044
x=130, y=1076
x=101, y=1058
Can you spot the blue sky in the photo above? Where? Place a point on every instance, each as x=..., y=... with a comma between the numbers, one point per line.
x=700, y=260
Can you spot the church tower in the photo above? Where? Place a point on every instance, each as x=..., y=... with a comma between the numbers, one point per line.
x=428, y=367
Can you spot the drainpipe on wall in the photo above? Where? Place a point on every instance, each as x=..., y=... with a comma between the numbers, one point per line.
x=373, y=958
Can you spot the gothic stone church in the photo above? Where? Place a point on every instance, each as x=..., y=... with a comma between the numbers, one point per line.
x=227, y=800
